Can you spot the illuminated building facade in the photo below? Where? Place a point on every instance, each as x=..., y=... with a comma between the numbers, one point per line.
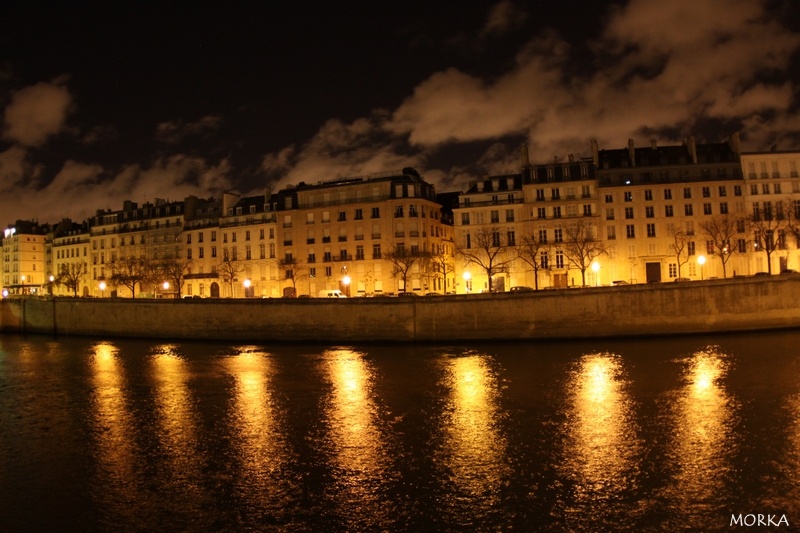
x=24, y=258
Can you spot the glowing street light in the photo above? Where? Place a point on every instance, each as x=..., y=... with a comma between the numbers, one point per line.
x=102, y=288
x=701, y=260
x=52, y=278
x=467, y=281
x=247, y=284
x=596, y=269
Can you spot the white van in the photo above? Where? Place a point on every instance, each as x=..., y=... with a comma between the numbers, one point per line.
x=331, y=294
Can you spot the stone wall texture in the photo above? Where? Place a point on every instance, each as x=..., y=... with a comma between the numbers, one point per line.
x=634, y=310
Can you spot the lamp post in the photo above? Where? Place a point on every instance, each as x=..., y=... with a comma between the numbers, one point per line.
x=52, y=279
x=23, y=284
x=246, y=283
x=701, y=260
x=467, y=281
x=346, y=280
x=102, y=289
x=596, y=270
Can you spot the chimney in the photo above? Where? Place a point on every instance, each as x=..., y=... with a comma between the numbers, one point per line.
x=595, y=153
x=524, y=154
x=733, y=142
x=631, y=153
x=692, y=146
x=571, y=158
x=653, y=144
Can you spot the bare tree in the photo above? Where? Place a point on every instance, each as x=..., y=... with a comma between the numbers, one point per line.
x=71, y=276
x=173, y=269
x=487, y=249
x=441, y=265
x=679, y=248
x=530, y=250
x=765, y=222
x=293, y=271
x=128, y=271
x=792, y=211
x=581, y=246
x=229, y=270
x=403, y=260
x=720, y=231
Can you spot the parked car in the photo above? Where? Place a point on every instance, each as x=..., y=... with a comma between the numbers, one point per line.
x=521, y=288
x=619, y=282
x=401, y=294
x=682, y=279
x=332, y=294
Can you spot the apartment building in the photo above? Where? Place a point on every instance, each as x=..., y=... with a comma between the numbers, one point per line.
x=24, y=258
x=344, y=234
x=152, y=232
x=70, y=244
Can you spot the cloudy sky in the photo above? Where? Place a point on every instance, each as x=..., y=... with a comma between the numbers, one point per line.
x=101, y=104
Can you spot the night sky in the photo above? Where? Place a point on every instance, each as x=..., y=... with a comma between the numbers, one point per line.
x=102, y=103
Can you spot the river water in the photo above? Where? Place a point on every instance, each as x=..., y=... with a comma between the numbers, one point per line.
x=662, y=434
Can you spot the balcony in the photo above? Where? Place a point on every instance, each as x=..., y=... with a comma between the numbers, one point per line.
x=310, y=241
x=326, y=239
x=342, y=238
x=399, y=234
x=376, y=235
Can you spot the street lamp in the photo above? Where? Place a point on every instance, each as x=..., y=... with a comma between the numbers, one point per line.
x=102, y=289
x=467, y=281
x=596, y=269
x=246, y=283
x=346, y=281
x=701, y=260
x=23, y=284
x=52, y=279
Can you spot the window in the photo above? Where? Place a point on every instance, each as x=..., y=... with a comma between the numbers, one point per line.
x=539, y=195
x=189, y=238
x=312, y=272
x=541, y=212
x=609, y=213
x=557, y=212
x=376, y=251
x=651, y=230
x=543, y=236
x=587, y=210
x=611, y=233
x=737, y=190
x=765, y=188
x=628, y=196
x=465, y=219
x=754, y=189
x=495, y=216
x=650, y=211
x=556, y=193
x=776, y=188
x=690, y=248
x=630, y=231
x=359, y=252
x=673, y=270
x=511, y=237
x=559, y=259
x=687, y=210
x=543, y=259
x=359, y=214
x=342, y=216
x=741, y=246
x=648, y=195
x=328, y=272
x=707, y=209
x=667, y=194
x=687, y=192
x=558, y=235
x=706, y=192
x=710, y=247
x=509, y=215
x=609, y=199
x=628, y=212
x=723, y=191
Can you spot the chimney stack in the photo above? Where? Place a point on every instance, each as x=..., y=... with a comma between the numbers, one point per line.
x=631, y=153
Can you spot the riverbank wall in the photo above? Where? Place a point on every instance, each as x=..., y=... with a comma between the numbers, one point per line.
x=635, y=310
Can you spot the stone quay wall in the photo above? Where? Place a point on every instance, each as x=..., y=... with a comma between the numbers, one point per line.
x=635, y=310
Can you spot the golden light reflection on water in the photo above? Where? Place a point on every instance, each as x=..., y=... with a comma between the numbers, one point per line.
x=258, y=450
x=702, y=442
x=603, y=441
x=474, y=450
x=113, y=430
x=175, y=415
x=791, y=466
x=352, y=412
